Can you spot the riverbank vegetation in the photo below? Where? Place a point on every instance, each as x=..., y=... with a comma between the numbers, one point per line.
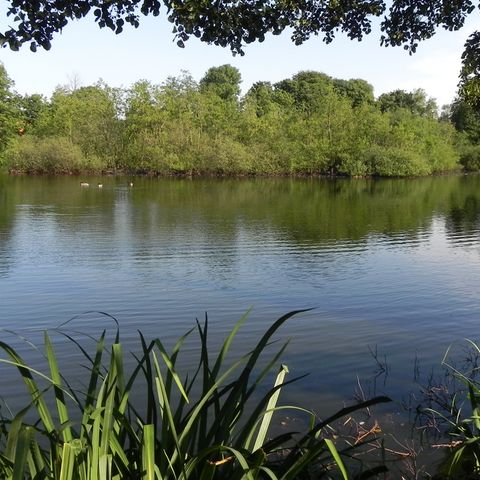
x=140, y=418
x=213, y=424
x=310, y=124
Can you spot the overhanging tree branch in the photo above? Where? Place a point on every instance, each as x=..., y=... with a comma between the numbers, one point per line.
x=235, y=23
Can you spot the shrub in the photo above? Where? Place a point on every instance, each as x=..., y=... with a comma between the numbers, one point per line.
x=50, y=155
x=394, y=162
x=470, y=158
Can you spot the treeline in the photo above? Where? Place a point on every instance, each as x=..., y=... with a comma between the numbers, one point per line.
x=310, y=124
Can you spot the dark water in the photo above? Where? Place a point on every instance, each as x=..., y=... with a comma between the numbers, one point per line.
x=390, y=265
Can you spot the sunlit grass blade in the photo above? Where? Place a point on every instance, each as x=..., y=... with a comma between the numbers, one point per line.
x=171, y=370
x=148, y=452
x=68, y=456
x=337, y=458
x=25, y=436
x=105, y=467
x=62, y=410
x=33, y=389
x=272, y=403
x=236, y=398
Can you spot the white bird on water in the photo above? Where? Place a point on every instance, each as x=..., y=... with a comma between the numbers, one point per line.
x=84, y=184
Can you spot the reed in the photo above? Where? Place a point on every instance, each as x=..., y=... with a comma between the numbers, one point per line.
x=211, y=424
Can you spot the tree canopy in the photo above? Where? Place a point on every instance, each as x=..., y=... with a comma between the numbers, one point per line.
x=234, y=23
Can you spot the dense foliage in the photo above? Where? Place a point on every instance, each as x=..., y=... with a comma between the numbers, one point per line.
x=310, y=124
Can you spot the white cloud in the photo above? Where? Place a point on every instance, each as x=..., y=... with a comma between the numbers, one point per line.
x=437, y=73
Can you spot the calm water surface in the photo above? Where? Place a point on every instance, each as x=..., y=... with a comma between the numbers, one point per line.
x=391, y=266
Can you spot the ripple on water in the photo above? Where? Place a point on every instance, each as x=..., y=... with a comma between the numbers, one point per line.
x=404, y=281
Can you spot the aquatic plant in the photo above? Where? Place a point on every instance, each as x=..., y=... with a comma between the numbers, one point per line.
x=455, y=412
x=212, y=424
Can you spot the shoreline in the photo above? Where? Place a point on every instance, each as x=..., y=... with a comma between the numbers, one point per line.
x=211, y=175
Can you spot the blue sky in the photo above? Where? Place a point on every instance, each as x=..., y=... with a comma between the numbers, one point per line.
x=87, y=53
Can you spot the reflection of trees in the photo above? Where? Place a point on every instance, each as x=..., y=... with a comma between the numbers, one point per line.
x=309, y=211
x=158, y=218
x=463, y=216
x=7, y=210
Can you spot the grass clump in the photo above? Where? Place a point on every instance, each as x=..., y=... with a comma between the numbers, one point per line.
x=203, y=426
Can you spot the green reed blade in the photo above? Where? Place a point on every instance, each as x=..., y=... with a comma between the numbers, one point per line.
x=169, y=428
x=34, y=391
x=246, y=395
x=171, y=370
x=266, y=370
x=267, y=418
x=146, y=365
x=268, y=472
x=96, y=431
x=148, y=452
x=337, y=458
x=309, y=439
x=207, y=379
x=210, y=455
x=105, y=467
x=36, y=463
x=113, y=379
x=227, y=343
x=68, y=456
x=301, y=462
x=25, y=436
x=236, y=398
x=14, y=433
x=173, y=356
x=197, y=410
x=91, y=395
x=94, y=451
x=62, y=410
x=118, y=453
x=245, y=436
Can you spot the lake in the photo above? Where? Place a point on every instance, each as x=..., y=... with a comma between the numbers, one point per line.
x=391, y=268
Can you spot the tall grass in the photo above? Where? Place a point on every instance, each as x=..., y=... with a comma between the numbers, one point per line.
x=212, y=424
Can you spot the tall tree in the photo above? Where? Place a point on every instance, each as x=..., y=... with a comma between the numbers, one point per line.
x=358, y=91
x=223, y=81
x=86, y=116
x=307, y=88
x=31, y=108
x=9, y=112
x=417, y=102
